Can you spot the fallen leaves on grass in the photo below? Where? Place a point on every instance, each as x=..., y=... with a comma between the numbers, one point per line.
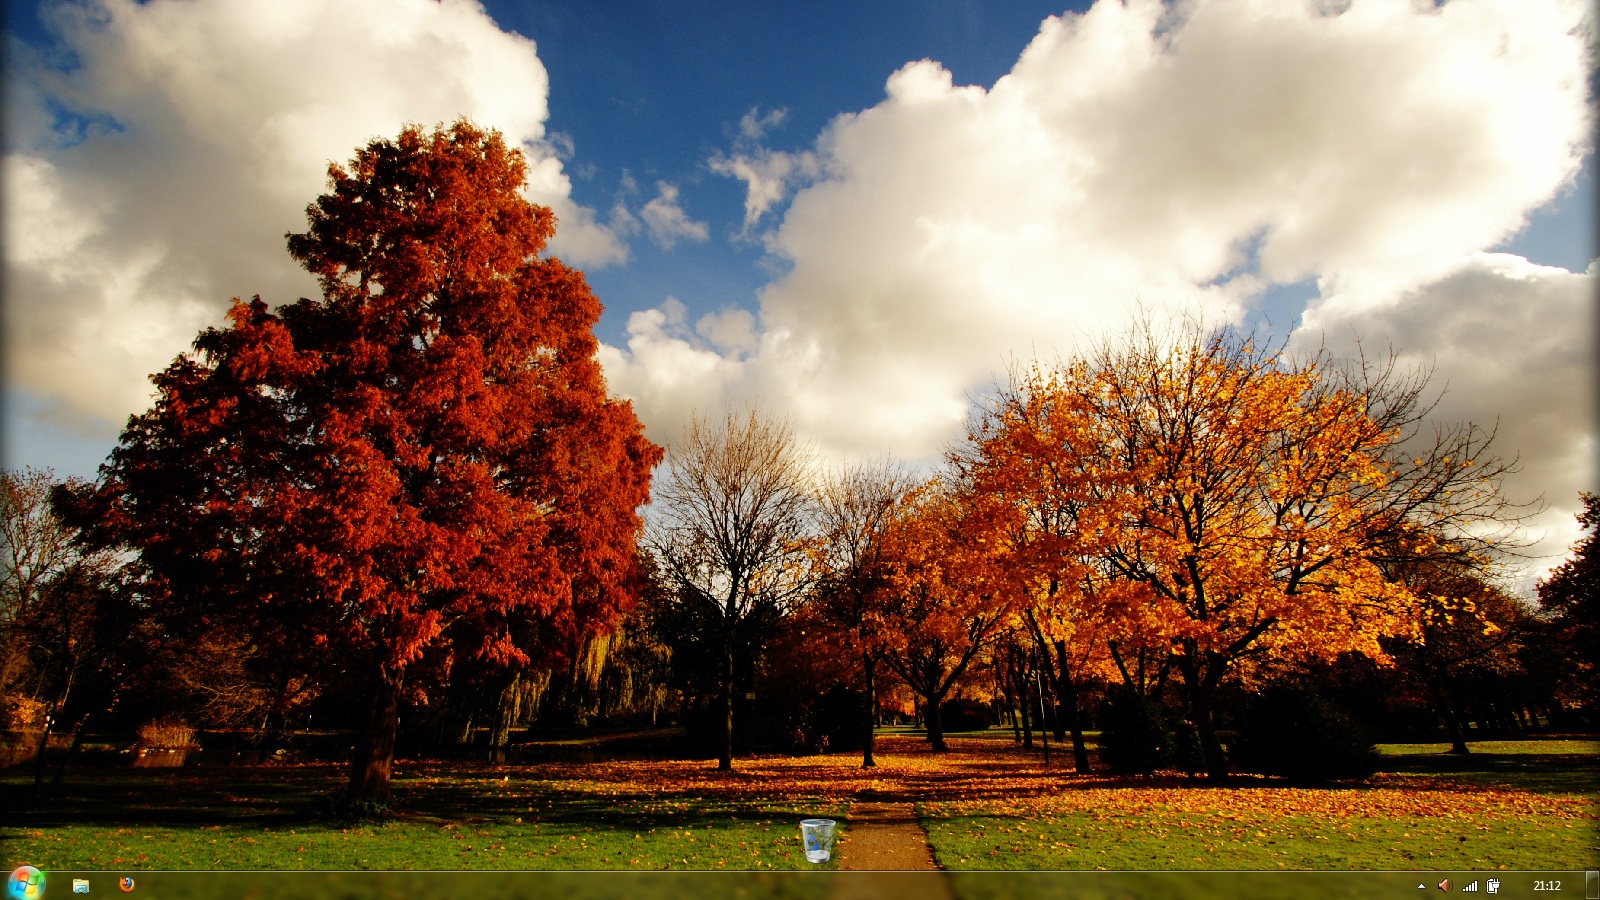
x=906, y=769
x=994, y=776
x=1139, y=806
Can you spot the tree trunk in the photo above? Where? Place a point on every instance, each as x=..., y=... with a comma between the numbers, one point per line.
x=935, y=725
x=1024, y=709
x=49, y=723
x=1011, y=706
x=373, y=762
x=1210, y=745
x=1069, y=700
x=72, y=750
x=725, y=761
x=1200, y=687
x=505, y=713
x=871, y=712
x=1458, y=740
x=38, y=759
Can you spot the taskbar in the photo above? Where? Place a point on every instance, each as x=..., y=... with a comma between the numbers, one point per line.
x=34, y=883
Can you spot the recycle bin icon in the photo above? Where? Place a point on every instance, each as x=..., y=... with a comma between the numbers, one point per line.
x=817, y=835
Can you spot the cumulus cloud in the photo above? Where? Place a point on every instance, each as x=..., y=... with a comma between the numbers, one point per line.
x=1172, y=158
x=1512, y=344
x=670, y=371
x=666, y=221
x=768, y=175
x=190, y=138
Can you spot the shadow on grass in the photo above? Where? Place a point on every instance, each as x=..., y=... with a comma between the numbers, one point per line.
x=284, y=796
x=171, y=797
x=559, y=793
x=1541, y=773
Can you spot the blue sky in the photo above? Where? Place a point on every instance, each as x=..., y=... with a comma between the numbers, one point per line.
x=803, y=206
x=656, y=89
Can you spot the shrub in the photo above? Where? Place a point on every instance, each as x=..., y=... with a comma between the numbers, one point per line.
x=1295, y=734
x=19, y=713
x=839, y=719
x=341, y=809
x=965, y=715
x=168, y=734
x=1133, y=735
x=1187, y=756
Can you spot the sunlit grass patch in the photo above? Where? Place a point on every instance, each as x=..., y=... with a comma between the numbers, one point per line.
x=1569, y=767
x=1521, y=748
x=1265, y=828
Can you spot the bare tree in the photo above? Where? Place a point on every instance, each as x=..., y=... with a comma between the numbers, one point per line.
x=854, y=507
x=35, y=549
x=729, y=529
x=51, y=594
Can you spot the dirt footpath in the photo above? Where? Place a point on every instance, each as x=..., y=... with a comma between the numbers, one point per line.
x=884, y=836
x=885, y=853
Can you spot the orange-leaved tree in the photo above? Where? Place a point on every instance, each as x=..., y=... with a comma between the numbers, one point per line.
x=1030, y=451
x=1233, y=502
x=948, y=592
x=423, y=460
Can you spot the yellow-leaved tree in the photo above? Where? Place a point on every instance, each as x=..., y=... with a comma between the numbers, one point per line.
x=1198, y=498
x=947, y=591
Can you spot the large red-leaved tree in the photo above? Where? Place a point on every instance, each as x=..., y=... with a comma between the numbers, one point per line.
x=423, y=461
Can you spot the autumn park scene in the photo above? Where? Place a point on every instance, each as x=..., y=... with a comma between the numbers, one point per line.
x=386, y=578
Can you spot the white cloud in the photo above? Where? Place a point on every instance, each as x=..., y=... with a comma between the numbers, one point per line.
x=666, y=221
x=211, y=127
x=731, y=331
x=669, y=373
x=754, y=125
x=768, y=176
x=1174, y=158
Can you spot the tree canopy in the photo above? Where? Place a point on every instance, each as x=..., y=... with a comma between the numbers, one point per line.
x=421, y=463
x=1571, y=597
x=1215, y=502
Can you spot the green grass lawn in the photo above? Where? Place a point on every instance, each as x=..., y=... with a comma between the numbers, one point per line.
x=454, y=818
x=1161, y=839
x=1508, y=804
x=1550, y=767
x=746, y=842
x=986, y=805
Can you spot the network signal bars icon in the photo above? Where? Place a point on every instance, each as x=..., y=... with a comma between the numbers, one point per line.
x=1471, y=887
